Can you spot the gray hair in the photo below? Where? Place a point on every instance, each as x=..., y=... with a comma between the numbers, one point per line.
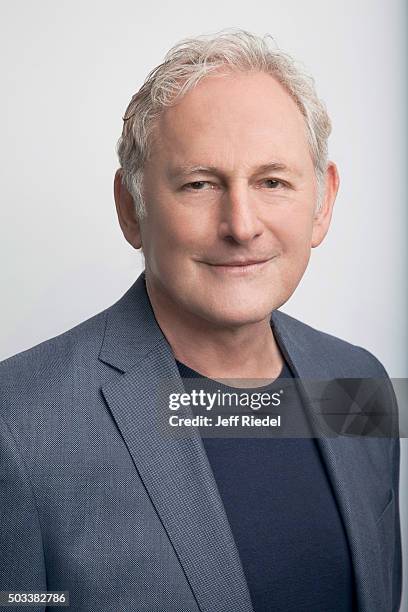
x=184, y=65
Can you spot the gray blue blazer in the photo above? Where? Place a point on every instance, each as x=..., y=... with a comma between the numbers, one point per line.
x=94, y=500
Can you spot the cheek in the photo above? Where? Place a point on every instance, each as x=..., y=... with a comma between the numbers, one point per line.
x=168, y=241
x=295, y=232
x=186, y=231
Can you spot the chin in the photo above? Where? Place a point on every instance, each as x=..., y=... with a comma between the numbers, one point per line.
x=237, y=315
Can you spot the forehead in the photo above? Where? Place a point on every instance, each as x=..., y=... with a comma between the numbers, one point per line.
x=233, y=117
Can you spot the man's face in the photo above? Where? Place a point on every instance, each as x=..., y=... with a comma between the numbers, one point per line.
x=229, y=243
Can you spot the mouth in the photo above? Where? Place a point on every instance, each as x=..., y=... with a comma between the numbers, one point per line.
x=239, y=267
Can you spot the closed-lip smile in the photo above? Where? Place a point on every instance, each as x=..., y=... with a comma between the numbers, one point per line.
x=238, y=267
x=240, y=262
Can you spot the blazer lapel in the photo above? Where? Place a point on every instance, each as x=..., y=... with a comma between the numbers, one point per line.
x=347, y=459
x=174, y=470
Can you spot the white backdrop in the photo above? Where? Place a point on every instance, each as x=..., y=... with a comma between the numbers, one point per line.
x=68, y=71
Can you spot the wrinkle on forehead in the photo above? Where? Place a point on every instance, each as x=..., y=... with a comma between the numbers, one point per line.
x=231, y=119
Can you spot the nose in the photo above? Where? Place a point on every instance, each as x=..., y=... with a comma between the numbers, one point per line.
x=239, y=219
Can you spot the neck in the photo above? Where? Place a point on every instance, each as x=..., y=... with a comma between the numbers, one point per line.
x=248, y=351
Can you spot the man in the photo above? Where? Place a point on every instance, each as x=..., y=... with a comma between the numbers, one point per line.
x=225, y=186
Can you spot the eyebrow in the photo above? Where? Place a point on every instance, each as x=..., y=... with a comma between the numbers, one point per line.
x=185, y=169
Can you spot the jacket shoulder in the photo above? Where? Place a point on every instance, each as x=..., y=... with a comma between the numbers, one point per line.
x=56, y=355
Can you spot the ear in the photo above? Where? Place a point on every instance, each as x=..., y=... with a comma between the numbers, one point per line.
x=323, y=217
x=125, y=209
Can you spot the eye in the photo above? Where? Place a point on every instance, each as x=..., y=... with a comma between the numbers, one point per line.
x=273, y=183
x=196, y=185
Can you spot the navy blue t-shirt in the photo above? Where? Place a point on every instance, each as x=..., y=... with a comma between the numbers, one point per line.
x=283, y=516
